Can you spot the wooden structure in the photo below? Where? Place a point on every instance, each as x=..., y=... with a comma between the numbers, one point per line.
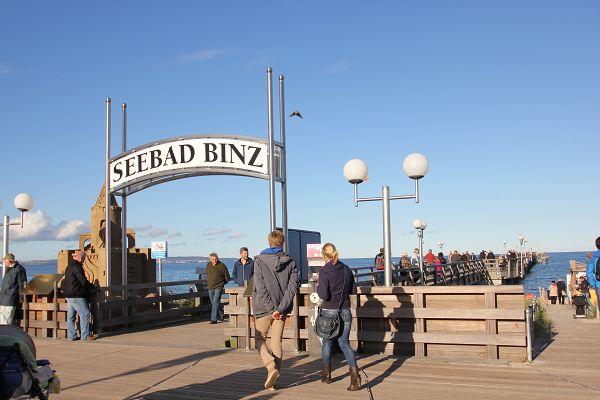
x=189, y=362
x=459, y=321
x=45, y=314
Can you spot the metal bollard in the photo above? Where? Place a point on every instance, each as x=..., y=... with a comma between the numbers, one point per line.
x=528, y=329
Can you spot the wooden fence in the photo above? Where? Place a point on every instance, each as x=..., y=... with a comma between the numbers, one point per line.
x=121, y=307
x=432, y=321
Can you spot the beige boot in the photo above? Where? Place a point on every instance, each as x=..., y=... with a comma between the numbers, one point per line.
x=272, y=375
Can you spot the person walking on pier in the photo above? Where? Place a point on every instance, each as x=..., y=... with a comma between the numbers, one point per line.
x=336, y=284
x=76, y=288
x=379, y=265
x=430, y=257
x=593, y=271
x=553, y=292
x=217, y=276
x=14, y=281
x=275, y=285
x=562, y=290
x=243, y=268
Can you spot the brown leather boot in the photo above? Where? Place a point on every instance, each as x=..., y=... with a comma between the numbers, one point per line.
x=354, y=380
x=326, y=374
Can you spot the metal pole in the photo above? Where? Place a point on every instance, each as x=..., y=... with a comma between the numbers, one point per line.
x=107, y=224
x=529, y=335
x=421, y=271
x=272, y=216
x=124, y=246
x=160, y=289
x=387, y=236
x=282, y=161
x=5, y=226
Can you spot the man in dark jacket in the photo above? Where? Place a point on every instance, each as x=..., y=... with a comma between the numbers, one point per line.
x=275, y=285
x=76, y=287
x=217, y=276
x=243, y=269
x=12, y=284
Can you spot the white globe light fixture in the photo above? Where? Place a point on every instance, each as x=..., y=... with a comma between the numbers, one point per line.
x=420, y=226
x=415, y=166
x=417, y=224
x=24, y=202
x=355, y=171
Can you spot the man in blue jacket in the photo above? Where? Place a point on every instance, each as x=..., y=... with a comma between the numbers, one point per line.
x=243, y=268
x=593, y=271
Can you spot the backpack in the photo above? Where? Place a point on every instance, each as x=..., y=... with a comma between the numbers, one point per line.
x=597, y=270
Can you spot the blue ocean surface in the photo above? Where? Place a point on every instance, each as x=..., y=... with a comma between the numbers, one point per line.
x=540, y=275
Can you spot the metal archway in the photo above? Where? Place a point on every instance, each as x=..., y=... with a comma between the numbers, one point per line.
x=182, y=157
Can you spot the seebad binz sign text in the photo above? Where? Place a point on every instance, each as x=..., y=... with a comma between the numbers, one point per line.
x=192, y=155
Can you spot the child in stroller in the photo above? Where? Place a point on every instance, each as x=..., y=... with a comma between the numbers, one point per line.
x=21, y=375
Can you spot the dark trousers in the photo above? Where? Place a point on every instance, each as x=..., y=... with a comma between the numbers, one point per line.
x=561, y=299
x=553, y=299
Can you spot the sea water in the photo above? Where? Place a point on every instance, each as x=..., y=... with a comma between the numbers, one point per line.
x=540, y=275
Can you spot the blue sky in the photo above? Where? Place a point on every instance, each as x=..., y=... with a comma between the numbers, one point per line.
x=503, y=98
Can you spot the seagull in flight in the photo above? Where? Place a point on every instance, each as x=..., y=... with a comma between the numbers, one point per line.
x=296, y=114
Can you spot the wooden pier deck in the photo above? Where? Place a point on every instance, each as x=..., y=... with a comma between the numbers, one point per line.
x=190, y=362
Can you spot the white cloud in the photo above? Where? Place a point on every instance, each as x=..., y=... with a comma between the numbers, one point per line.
x=177, y=244
x=155, y=232
x=175, y=234
x=38, y=226
x=204, y=55
x=214, y=232
x=143, y=228
x=236, y=235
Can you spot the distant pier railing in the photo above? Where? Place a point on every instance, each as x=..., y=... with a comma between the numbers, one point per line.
x=471, y=272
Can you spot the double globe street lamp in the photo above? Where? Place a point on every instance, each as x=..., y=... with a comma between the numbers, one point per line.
x=420, y=227
x=522, y=240
x=415, y=166
x=441, y=246
x=23, y=202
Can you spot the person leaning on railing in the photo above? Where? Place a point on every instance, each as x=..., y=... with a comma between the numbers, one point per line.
x=334, y=288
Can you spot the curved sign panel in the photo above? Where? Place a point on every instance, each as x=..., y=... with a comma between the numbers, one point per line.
x=189, y=156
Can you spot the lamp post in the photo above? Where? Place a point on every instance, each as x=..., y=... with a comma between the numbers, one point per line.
x=522, y=239
x=23, y=202
x=415, y=166
x=504, y=243
x=420, y=227
x=441, y=246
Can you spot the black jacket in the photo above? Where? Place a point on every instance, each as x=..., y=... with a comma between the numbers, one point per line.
x=336, y=284
x=14, y=280
x=75, y=284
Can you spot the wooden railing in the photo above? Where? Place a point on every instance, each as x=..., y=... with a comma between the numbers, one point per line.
x=456, y=321
x=145, y=304
x=121, y=307
x=460, y=273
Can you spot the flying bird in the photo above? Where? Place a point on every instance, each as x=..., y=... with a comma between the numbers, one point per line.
x=296, y=114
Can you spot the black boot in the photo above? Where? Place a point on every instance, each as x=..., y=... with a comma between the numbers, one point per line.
x=354, y=379
x=326, y=374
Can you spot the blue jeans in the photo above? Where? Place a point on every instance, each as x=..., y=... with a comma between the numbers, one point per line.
x=346, y=317
x=215, y=300
x=79, y=306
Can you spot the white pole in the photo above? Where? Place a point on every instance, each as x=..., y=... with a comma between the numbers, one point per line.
x=107, y=225
x=387, y=236
x=282, y=161
x=5, y=226
x=272, y=211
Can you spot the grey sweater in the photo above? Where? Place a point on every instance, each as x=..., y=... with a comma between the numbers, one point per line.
x=275, y=284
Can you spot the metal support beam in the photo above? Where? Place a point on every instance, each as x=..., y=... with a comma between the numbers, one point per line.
x=387, y=236
x=124, y=245
x=5, y=225
x=107, y=224
x=271, y=163
x=282, y=161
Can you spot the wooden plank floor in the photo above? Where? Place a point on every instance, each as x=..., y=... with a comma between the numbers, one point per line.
x=190, y=362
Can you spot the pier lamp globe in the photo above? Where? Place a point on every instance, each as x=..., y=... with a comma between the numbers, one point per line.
x=418, y=224
x=415, y=166
x=355, y=171
x=24, y=202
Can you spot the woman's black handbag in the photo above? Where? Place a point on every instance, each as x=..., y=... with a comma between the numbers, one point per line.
x=330, y=326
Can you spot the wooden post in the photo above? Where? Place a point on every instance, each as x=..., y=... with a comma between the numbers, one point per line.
x=55, y=309
x=25, y=314
x=491, y=326
x=419, y=302
x=247, y=316
x=296, y=323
